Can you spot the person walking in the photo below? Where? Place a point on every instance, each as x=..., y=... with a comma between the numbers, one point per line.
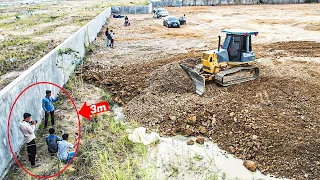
x=28, y=133
x=107, y=37
x=47, y=105
x=52, y=142
x=112, y=38
x=63, y=149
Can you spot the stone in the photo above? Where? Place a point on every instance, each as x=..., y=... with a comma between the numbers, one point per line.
x=214, y=121
x=173, y=118
x=148, y=131
x=190, y=142
x=187, y=132
x=300, y=138
x=117, y=99
x=96, y=77
x=254, y=137
x=202, y=129
x=173, y=132
x=200, y=140
x=231, y=114
x=232, y=149
x=250, y=165
x=166, y=118
x=192, y=119
x=123, y=93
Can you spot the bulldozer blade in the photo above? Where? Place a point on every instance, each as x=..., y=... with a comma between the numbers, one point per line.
x=198, y=79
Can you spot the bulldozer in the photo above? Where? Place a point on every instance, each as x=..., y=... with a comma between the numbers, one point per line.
x=231, y=63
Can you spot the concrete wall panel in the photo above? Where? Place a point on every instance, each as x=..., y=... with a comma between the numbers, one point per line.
x=166, y=3
x=43, y=70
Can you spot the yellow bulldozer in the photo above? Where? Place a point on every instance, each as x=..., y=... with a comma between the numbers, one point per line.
x=232, y=63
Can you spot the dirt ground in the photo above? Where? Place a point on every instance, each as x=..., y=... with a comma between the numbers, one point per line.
x=273, y=120
x=31, y=29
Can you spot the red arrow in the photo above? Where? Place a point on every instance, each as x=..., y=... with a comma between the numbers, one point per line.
x=86, y=111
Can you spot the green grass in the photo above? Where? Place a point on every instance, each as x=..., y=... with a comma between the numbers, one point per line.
x=46, y=30
x=106, y=147
x=23, y=49
x=28, y=21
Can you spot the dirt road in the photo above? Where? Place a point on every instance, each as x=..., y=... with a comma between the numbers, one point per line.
x=272, y=121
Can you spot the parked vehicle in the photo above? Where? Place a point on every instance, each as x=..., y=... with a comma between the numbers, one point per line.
x=160, y=12
x=171, y=21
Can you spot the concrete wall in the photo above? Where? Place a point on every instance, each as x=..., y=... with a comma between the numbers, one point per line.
x=132, y=9
x=176, y=3
x=44, y=70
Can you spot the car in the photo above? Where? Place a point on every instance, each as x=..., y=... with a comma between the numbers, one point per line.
x=160, y=12
x=171, y=21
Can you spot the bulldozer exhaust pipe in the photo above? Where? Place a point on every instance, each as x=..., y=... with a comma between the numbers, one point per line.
x=219, y=43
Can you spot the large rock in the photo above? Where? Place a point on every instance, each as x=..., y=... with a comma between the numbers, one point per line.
x=232, y=149
x=200, y=140
x=251, y=165
x=192, y=119
x=173, y=118
x=187, y=132
x=202, y=129
x=190, y=142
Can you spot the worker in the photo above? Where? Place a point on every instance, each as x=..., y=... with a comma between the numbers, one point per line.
x=29, y=137
x=107, y=37
x=126, y=21
x=52, y=142
x=112, y=38
x=47, y=105
x=183, y=20
x=63, y=149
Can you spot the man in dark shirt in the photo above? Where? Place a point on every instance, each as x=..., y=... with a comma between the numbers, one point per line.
x=52, y=142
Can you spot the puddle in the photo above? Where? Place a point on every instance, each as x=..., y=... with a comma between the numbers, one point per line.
x=172, y=158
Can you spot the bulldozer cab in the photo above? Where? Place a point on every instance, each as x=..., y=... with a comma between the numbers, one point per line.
x=238, y=45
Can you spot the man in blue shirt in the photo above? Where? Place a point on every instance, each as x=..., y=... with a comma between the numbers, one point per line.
x=52, y=142
x=63, y=149
x=48, y=108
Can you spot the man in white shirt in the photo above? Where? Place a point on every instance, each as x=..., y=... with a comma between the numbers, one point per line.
x=28, y=133
x=63, y=149
x=112, y=38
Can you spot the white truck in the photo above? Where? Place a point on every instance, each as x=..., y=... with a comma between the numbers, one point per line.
x=160, y=12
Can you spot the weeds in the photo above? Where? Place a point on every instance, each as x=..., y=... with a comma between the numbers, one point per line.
x=74, y=85
x=112, y=153
x=107, y=97
x=46, y=30
x=17, y=50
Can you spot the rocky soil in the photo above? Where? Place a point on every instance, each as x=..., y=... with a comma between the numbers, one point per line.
x=272, y=121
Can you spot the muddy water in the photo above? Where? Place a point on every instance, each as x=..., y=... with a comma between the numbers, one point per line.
x=172, y=158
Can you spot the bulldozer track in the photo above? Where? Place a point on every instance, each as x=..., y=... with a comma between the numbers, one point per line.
x=220, y=77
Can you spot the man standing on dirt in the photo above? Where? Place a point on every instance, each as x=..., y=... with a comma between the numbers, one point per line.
x=28, y=133
x=48, y=108
x=112, y=38
x=107, y=37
